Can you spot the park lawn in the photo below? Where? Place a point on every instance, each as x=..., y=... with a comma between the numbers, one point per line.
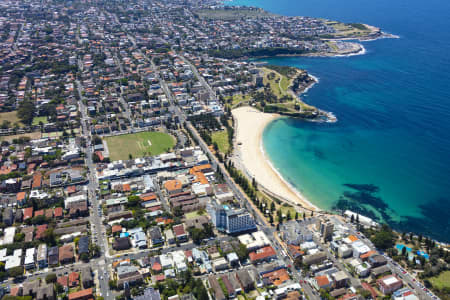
x=139, y=144
x=32, y=135
x=236, y=99
x=36, y=120
x=441, y=281
x=10, y=116
x=193, y=214
x=221, y=138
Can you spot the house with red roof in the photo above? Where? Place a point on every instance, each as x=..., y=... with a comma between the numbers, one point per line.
x=64, y=281
x=49, y=213
x=58, y=212
x=27, y=213
x=180, y=233
x=40, y=231
x=21, y=198
x=74, y=279
x=37, y=181
x=322, y=282
x=264, y=254
x=39, y=213
x=82, y=295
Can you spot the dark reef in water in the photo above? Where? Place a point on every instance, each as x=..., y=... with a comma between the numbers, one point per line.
x=362, y=199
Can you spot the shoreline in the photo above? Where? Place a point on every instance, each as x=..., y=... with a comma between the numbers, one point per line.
x=250, y=126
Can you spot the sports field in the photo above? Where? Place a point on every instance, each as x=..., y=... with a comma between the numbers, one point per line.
x=139, y=144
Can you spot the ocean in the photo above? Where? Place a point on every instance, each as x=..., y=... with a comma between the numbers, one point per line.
x=388, y=155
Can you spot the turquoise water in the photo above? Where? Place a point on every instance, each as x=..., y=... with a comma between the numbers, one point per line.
x=388, y=156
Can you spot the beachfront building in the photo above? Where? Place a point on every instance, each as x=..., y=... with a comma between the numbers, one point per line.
x=231, y=220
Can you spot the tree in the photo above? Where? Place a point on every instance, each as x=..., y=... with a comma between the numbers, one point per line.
x=383, y=239
x=242, y=252
x=16, y=272
x=112, y=284
x=289, y=217
x=177, y=211
x=272, y=206
x=25, y=112
x=133, y=201
x=84, y=257
x=50, y=278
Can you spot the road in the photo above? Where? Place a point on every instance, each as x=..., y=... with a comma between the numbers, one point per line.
x=98, y=230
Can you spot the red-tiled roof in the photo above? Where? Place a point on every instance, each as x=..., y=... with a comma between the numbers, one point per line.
x=80, y=294
x=39, y=213
x=27, y=213
x=37, y=181
x=20, y=196
x=262, y=253
x=322, y=281
x=58, y=212
x=116, y=228
x=63, y=280
x=178, y=230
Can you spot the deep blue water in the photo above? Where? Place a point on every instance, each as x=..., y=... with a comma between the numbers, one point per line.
x=393, y=106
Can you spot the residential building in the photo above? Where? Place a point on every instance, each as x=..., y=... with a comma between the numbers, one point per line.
x=389, y=284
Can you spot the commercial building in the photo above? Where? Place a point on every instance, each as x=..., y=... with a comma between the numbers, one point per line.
x=231, y=220
x=389, y=284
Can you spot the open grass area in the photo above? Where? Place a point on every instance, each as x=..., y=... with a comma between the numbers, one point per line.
x=10, y=116
x=32, y=135
x=278, y=84
x=36, y=120
x=239, y=98
x=194, y=214
x=344, y=30
x=139, y=144
x=221, y=138
x=441, y=281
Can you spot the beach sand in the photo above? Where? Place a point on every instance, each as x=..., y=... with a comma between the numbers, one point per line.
x=250, y=124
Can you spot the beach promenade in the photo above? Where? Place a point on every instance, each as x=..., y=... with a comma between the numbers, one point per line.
x=250, y=124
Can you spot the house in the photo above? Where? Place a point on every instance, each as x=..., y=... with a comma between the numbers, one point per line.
x=86, y=277
x=82, y=295
x=340, y=279
x=389, y=284
x=138, y=238
x=122, y=243
x=83, y=245
x=180, y=233
x=46, y=292
x=53, y=256
x=170, y=238
x=215, y=286
x=173, y=186
x=156, y=236
x=322, y=282
x=66, y=254
x=27, y=213
x=245, y=280
x=41, y=257
x=128, y=274
x=58, y=212
x=8, y=216
x=264, y=254
x=149, y=294
x=74, y=279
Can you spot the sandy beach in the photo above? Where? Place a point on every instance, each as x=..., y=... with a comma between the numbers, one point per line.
x=250, y=124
